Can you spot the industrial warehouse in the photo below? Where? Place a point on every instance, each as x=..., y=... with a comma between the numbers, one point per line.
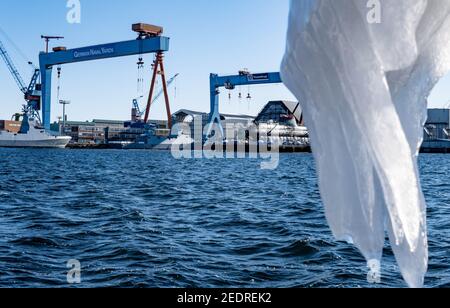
x=118, y=134
x=281, y=118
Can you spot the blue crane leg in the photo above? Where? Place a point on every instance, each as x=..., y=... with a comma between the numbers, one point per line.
x=46, y=79
x=214, y=118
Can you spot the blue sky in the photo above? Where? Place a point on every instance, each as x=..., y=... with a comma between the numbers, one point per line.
x=206, y=36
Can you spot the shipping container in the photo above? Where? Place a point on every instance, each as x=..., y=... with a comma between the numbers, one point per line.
x=10, y=126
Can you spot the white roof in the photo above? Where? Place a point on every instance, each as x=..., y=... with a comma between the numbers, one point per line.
x=295, y=108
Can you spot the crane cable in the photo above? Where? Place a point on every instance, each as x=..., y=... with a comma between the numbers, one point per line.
x=140, y=77
x=175, y=92
x=58, y=89
x=19, y=51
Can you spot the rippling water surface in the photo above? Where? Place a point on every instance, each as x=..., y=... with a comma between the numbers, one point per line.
x=143, y=219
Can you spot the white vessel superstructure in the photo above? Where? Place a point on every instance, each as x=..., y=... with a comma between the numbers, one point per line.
x=32, y=135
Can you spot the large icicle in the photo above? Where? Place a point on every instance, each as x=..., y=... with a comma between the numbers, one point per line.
x=363, y=87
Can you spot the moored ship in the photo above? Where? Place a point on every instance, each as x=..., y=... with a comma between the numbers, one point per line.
x=29, y=135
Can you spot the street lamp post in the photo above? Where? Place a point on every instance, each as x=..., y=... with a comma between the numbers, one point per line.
x=64, y=103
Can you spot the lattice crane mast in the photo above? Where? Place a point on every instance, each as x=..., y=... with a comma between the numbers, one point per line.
x=32, y=91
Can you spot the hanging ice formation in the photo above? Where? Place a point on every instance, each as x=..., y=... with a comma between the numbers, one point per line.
x=364, y=84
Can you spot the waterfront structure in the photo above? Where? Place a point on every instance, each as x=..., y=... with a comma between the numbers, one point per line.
x=187, y=117
x=102, y=131
x=280, y=112
x=437, y=132
x=282, y=120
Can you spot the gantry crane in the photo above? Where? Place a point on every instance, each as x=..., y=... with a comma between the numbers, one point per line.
x=230, y=83
x=149, y=40
x=31, y=92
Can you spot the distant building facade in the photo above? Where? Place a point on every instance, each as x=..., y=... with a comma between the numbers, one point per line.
x=280, y=112
x=187, y=117
x=437, y=131
x=281, y=116
x=102, y=131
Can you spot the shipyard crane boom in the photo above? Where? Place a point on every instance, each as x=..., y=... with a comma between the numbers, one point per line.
x=31, y=92
x=169, y=83
x=157, y=96
x=140, y=112
x=12, y=68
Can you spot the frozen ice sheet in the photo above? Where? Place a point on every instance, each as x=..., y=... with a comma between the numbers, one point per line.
x=363, y=87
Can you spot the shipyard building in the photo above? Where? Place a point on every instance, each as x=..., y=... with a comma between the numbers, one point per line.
x=437, y=132
x=102, y=131
x=283, y=117
x=280, y=116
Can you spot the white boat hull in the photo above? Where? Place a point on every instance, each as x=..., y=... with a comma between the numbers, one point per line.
x=57, y=142
x=34, y=138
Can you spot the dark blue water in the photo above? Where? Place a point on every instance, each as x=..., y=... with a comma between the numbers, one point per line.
x=143, y=219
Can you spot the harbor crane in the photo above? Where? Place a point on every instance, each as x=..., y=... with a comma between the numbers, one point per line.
x=230, y=83
x=140, y=113
x=149, y=40
x=32, y=94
